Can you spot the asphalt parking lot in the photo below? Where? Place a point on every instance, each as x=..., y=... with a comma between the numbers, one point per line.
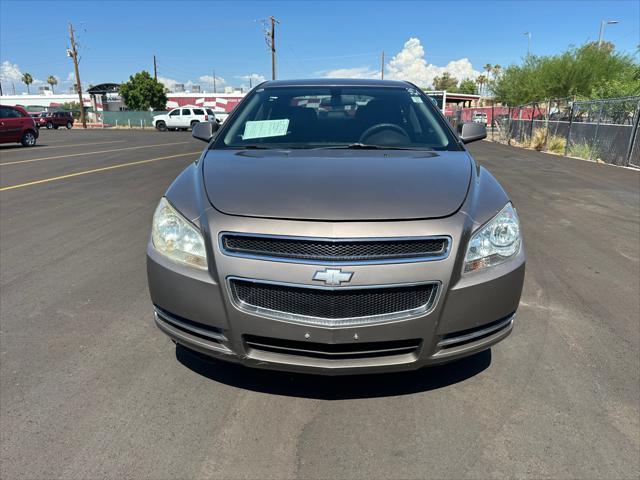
x=89, y=388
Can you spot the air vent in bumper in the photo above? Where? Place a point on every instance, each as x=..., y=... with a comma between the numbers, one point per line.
x=324, y=351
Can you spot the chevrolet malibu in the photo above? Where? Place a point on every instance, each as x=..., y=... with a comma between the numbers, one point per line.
x=336, y=227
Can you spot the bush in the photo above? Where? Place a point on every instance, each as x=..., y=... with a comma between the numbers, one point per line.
x=583, y=150
x=538, y=139
x=556, y=144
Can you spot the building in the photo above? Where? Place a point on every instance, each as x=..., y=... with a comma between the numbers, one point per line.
x=449, y=102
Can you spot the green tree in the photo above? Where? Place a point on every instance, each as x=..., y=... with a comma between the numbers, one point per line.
x=52, y=81
x=467, y=86
x=445, y=82
x=27, y=79
x=142, y=92
x=584, y=72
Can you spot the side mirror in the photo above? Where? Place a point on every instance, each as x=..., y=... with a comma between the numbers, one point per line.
x=204, y=130
x=470, y=132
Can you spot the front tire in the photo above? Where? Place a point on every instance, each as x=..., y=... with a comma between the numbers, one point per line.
x=161, y=126
x=28, y=139
x=49, y=125
x=69, y=125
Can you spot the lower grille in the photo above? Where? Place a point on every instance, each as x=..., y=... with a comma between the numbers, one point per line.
x=332, y=307
x=333, y=351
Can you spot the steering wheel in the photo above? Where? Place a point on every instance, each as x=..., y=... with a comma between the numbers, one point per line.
x=382, y=126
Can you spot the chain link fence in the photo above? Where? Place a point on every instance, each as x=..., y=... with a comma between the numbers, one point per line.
x=603, y=130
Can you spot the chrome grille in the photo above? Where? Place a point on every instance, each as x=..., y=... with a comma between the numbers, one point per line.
x=332, y=307
x=304, y=249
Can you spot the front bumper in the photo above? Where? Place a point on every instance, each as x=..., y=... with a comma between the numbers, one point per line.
x=472, y=312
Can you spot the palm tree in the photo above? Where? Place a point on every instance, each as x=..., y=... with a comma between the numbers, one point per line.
x=481, y=80
x=496, y=70
x=27, y=79
x=52, y=81
x=489, y=68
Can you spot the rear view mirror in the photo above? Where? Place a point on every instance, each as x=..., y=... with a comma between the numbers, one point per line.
x=470, y=132
x=204, y=130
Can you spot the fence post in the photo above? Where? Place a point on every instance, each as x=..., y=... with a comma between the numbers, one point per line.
x=634, y=133
x=533, y=111
x=566, y=147
x=493, y=119
x=546, y=125
x=595, y=135
x=129, y=122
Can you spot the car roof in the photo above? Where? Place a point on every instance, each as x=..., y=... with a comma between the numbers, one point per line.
x=335, y=82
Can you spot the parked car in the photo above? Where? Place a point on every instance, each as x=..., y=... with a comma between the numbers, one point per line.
x=17, y=126
x=183, y=118
x=479, y=117
x=55, y=120
x=336, y=244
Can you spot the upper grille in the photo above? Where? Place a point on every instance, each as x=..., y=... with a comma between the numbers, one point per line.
x=333, y=307
x=335, y=250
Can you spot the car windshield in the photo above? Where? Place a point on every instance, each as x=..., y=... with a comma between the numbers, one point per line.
x=337, y=117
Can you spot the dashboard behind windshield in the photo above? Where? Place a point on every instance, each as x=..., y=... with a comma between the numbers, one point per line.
x=325, y=117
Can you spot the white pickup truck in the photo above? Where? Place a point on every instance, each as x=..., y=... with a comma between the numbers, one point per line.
x=183, y=118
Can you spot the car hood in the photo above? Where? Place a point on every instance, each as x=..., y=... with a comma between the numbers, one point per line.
x=337, y=185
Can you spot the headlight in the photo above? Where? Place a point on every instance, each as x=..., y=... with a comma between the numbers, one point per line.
x=176, y=238
x=495, y=242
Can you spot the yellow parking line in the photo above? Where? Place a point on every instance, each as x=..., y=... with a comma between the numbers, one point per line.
x=46, y=145
x=91, y=153
x=95, y=170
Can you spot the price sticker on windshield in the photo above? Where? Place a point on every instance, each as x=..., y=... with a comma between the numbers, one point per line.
x=265, y=128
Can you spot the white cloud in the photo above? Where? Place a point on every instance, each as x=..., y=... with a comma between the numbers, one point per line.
x=410, y=64
x=208, y=80
x=10, y=72
x=356, y=72
x=254, y=77
x=170, y=83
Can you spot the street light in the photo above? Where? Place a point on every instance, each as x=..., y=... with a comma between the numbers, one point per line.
x=602, y=24
x=528, y=35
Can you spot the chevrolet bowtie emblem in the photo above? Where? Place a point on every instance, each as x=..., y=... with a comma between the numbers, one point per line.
x=332, y=276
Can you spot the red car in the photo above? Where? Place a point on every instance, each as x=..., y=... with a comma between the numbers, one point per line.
x=54, y=120
x=17, y=126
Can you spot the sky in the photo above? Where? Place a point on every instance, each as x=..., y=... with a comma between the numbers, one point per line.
x=192, y=40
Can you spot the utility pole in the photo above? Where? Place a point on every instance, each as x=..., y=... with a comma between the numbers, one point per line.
x=214, y=81
x=250, y=86
x=155, y=69
x=73, y=53
x=382, y=66
x=272, y=44
x=528, y=35
x=13, y=87
x=0, y=89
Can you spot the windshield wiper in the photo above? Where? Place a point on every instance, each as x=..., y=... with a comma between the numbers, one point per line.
x=366, y=146
x=253, y=147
